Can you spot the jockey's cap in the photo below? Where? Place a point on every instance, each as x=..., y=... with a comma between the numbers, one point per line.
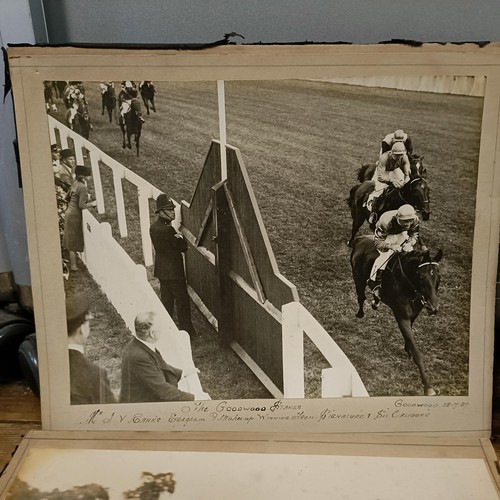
x=399, y=135
x=398, y=148
x=128, y=85
x=405, y=212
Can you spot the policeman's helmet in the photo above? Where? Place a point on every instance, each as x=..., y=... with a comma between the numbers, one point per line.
x=405, y=213
x=398, y=148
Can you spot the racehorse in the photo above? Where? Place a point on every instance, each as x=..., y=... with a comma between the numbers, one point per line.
x=409, y=283
x=131, y=124
x=108, y=99
x=415, y=192
x=417, y=169
x=78, y=119
x=148, y=91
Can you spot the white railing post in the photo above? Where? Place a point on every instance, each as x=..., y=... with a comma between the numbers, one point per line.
x=120, y=204
x=147, y=248
x=78, y=150
x=96, y=177
x=221, y=98
x=64, y=138
x=293, y=351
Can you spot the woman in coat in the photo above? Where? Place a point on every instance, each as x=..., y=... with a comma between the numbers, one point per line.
x=73, y=224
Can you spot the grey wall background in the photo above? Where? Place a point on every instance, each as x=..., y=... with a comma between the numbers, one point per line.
x=205, y=21
x=267, y=21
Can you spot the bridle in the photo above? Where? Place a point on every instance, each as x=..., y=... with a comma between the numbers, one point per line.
x=424, y=201
x=418, y=294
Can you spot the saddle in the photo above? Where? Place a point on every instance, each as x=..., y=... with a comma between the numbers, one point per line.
x=379, y=202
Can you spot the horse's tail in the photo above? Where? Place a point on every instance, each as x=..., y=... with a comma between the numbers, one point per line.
x=352, y=193
x=361, y=173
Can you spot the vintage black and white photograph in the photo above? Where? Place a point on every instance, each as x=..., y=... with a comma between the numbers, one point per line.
x=321, y=179
x=264, y=241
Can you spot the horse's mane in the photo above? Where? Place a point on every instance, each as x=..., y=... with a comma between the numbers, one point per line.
x=411, y=260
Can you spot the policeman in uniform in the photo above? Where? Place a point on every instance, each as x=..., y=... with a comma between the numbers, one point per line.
x=169, y=246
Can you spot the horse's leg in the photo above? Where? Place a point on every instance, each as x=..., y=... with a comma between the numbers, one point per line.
x=360, y=292
x=411, y=348
x=137, y=136
x=153, y=107
x=122, y=126
x=146, y=105
x=358, y=219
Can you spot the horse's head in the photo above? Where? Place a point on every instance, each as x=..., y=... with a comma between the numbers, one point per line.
x=83, y=111
x=417, y=193
x=427, y=278
x=417, y=168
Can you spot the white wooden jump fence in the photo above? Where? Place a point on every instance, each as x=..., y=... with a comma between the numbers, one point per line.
x=129, y=291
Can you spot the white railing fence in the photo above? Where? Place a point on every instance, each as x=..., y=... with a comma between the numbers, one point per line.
x=145, y=190
x=441, y=84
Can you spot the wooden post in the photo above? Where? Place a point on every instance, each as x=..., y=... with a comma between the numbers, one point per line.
x=222, y=128
x=223, y=261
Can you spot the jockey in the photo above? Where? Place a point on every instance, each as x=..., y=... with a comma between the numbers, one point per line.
x=399, y=136
x=128, y=93
x=393, y=169
x=396, y=231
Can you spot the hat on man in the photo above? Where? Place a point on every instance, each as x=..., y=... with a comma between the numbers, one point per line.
x=399, y=135
x=66, y=153
x=82, y=170
x=54, y=147
x=163, y=202
x=77, y=308
x=398, y=148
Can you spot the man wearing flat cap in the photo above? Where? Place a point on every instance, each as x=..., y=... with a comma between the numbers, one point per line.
x=169, y=246
x=89, y=382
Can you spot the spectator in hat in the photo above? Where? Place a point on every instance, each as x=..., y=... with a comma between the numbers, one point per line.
x=55, y=150
x=146, y=377
x=169, y=246
x=89, y=383
x=398, y=136
x=73, y=224
x=63, y=179
x=67, y=168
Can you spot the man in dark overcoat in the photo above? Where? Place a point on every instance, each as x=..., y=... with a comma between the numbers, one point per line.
x=169, y=246
x=146, y=377
x=89, y=382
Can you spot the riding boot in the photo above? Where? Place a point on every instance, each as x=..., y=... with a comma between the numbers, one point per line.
x=375, y=286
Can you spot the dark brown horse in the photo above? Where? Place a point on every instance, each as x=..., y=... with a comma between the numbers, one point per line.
x=147, y=90
x=108, y=99
x=131, y=125
x=417, y=169
x=415, y=193
x=409, y=283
